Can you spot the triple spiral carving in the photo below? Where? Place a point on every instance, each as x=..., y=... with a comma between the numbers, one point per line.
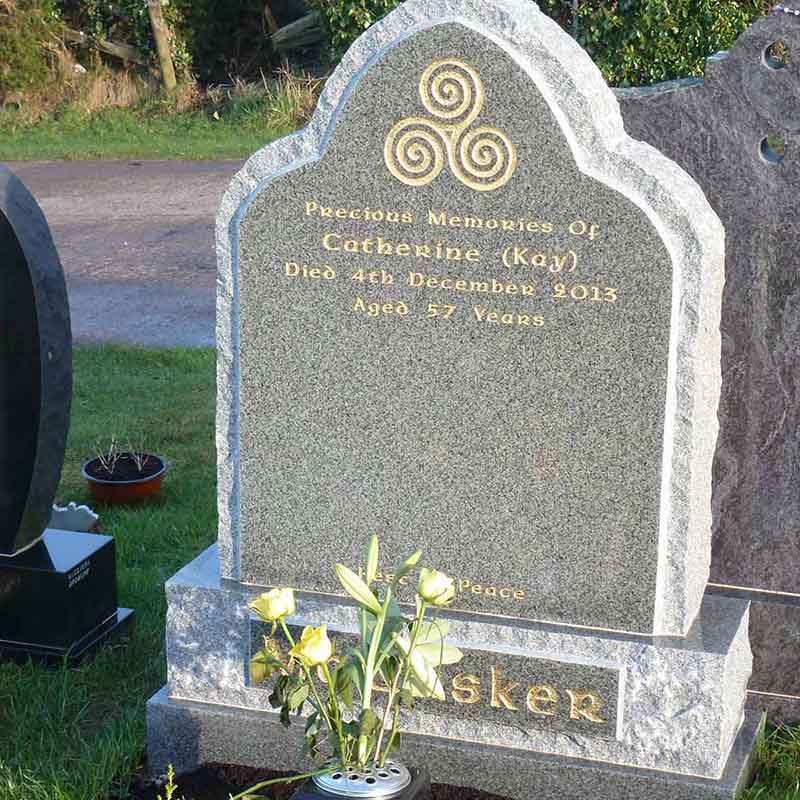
x=417, y=149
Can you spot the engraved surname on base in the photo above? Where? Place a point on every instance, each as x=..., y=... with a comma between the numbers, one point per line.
x=506, y=693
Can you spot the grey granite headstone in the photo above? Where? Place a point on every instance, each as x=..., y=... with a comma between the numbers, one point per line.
x=715, y=129
x=474, y=316
x=36, y=368
x=465, y=310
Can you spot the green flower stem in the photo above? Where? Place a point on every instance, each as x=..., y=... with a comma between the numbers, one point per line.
x=248, y=793
x=369, y=673
x=392, y=692
x=390, y=702
x=312, y=685
x=414, y=636
x=362, y=619
x=385, y=653
x=337, y=713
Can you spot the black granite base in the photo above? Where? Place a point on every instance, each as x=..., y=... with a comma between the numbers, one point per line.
x=418, y=789
x=187, y=734
x=59, y=598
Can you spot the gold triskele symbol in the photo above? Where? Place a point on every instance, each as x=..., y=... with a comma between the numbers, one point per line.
x=417, y=149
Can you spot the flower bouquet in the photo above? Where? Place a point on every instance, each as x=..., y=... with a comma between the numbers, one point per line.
x=398, y=657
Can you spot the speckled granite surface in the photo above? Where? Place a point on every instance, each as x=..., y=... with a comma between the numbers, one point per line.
x=564, y=461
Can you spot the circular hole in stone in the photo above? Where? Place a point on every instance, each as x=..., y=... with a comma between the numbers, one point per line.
x=383, y=774
x=336, y=776
x=394, y=770
x=353, y=777
x=371, y=780
x=776, y=56
x=773, y=148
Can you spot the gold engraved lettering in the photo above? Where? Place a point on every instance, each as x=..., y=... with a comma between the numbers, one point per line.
x=516, y=319
x=417, y=149
x=501, y=695
x=380, y=246
x=377, y=277
x=586, y=705
x=515, y=256
x=443, y=219
x=466, y=689
x=582, y=228
x=314, y=209
x=294, y=270
x=380, y=309
x=581, y=292
x=543, y=700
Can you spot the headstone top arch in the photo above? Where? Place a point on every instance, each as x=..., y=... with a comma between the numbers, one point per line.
x=463, y=308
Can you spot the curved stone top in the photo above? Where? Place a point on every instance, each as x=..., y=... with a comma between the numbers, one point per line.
x=36, y=367
x=677, y=236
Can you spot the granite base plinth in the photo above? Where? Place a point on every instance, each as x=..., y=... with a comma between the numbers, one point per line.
x=188, y=734
x=59, y=598
x=645, y=684
x=117, y=626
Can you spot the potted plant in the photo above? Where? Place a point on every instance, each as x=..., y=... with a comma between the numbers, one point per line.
x=118, y=476
x=353, y=741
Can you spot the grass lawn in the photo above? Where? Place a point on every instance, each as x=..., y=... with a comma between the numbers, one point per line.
x=79, y=734
x=136, y=133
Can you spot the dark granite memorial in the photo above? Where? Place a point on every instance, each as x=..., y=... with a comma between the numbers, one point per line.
x=465, y=310
x=58, y=594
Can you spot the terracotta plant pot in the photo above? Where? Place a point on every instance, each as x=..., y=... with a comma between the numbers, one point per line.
x=125, y=484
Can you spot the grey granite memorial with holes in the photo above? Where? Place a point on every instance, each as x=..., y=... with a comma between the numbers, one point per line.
x=725, y=131
x=465, y=310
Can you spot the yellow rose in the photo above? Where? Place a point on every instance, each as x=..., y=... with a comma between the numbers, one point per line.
x=274, y=605
x=435, y=587
x=314, y=647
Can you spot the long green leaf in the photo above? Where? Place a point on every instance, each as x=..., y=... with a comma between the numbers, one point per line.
x=433, y=631
x=357, y=589
x=438, y=653
x=372, y=560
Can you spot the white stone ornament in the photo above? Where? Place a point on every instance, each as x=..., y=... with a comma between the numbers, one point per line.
x=73, y=517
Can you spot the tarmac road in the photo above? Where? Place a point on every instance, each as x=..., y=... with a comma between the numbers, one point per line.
x=136, y=239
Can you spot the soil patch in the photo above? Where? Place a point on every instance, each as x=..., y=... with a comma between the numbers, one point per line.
x=220, y=781
x=125, y=468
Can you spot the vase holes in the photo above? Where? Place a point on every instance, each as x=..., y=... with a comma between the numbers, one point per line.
x=776, y=56
x=371, y=780
x=394, y=770
x=383, y=774
x=773, y=148
x=353, y=777
x=336, y=776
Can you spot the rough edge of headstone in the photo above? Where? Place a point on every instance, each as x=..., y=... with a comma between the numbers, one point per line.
x=55, y=351
x=590, y=117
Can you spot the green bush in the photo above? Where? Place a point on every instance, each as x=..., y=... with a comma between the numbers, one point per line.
x=637, y=42
x=346, y=20
x=632, y=41
x=26, y=27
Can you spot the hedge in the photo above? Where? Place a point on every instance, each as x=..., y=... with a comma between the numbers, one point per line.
x=634, y=42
